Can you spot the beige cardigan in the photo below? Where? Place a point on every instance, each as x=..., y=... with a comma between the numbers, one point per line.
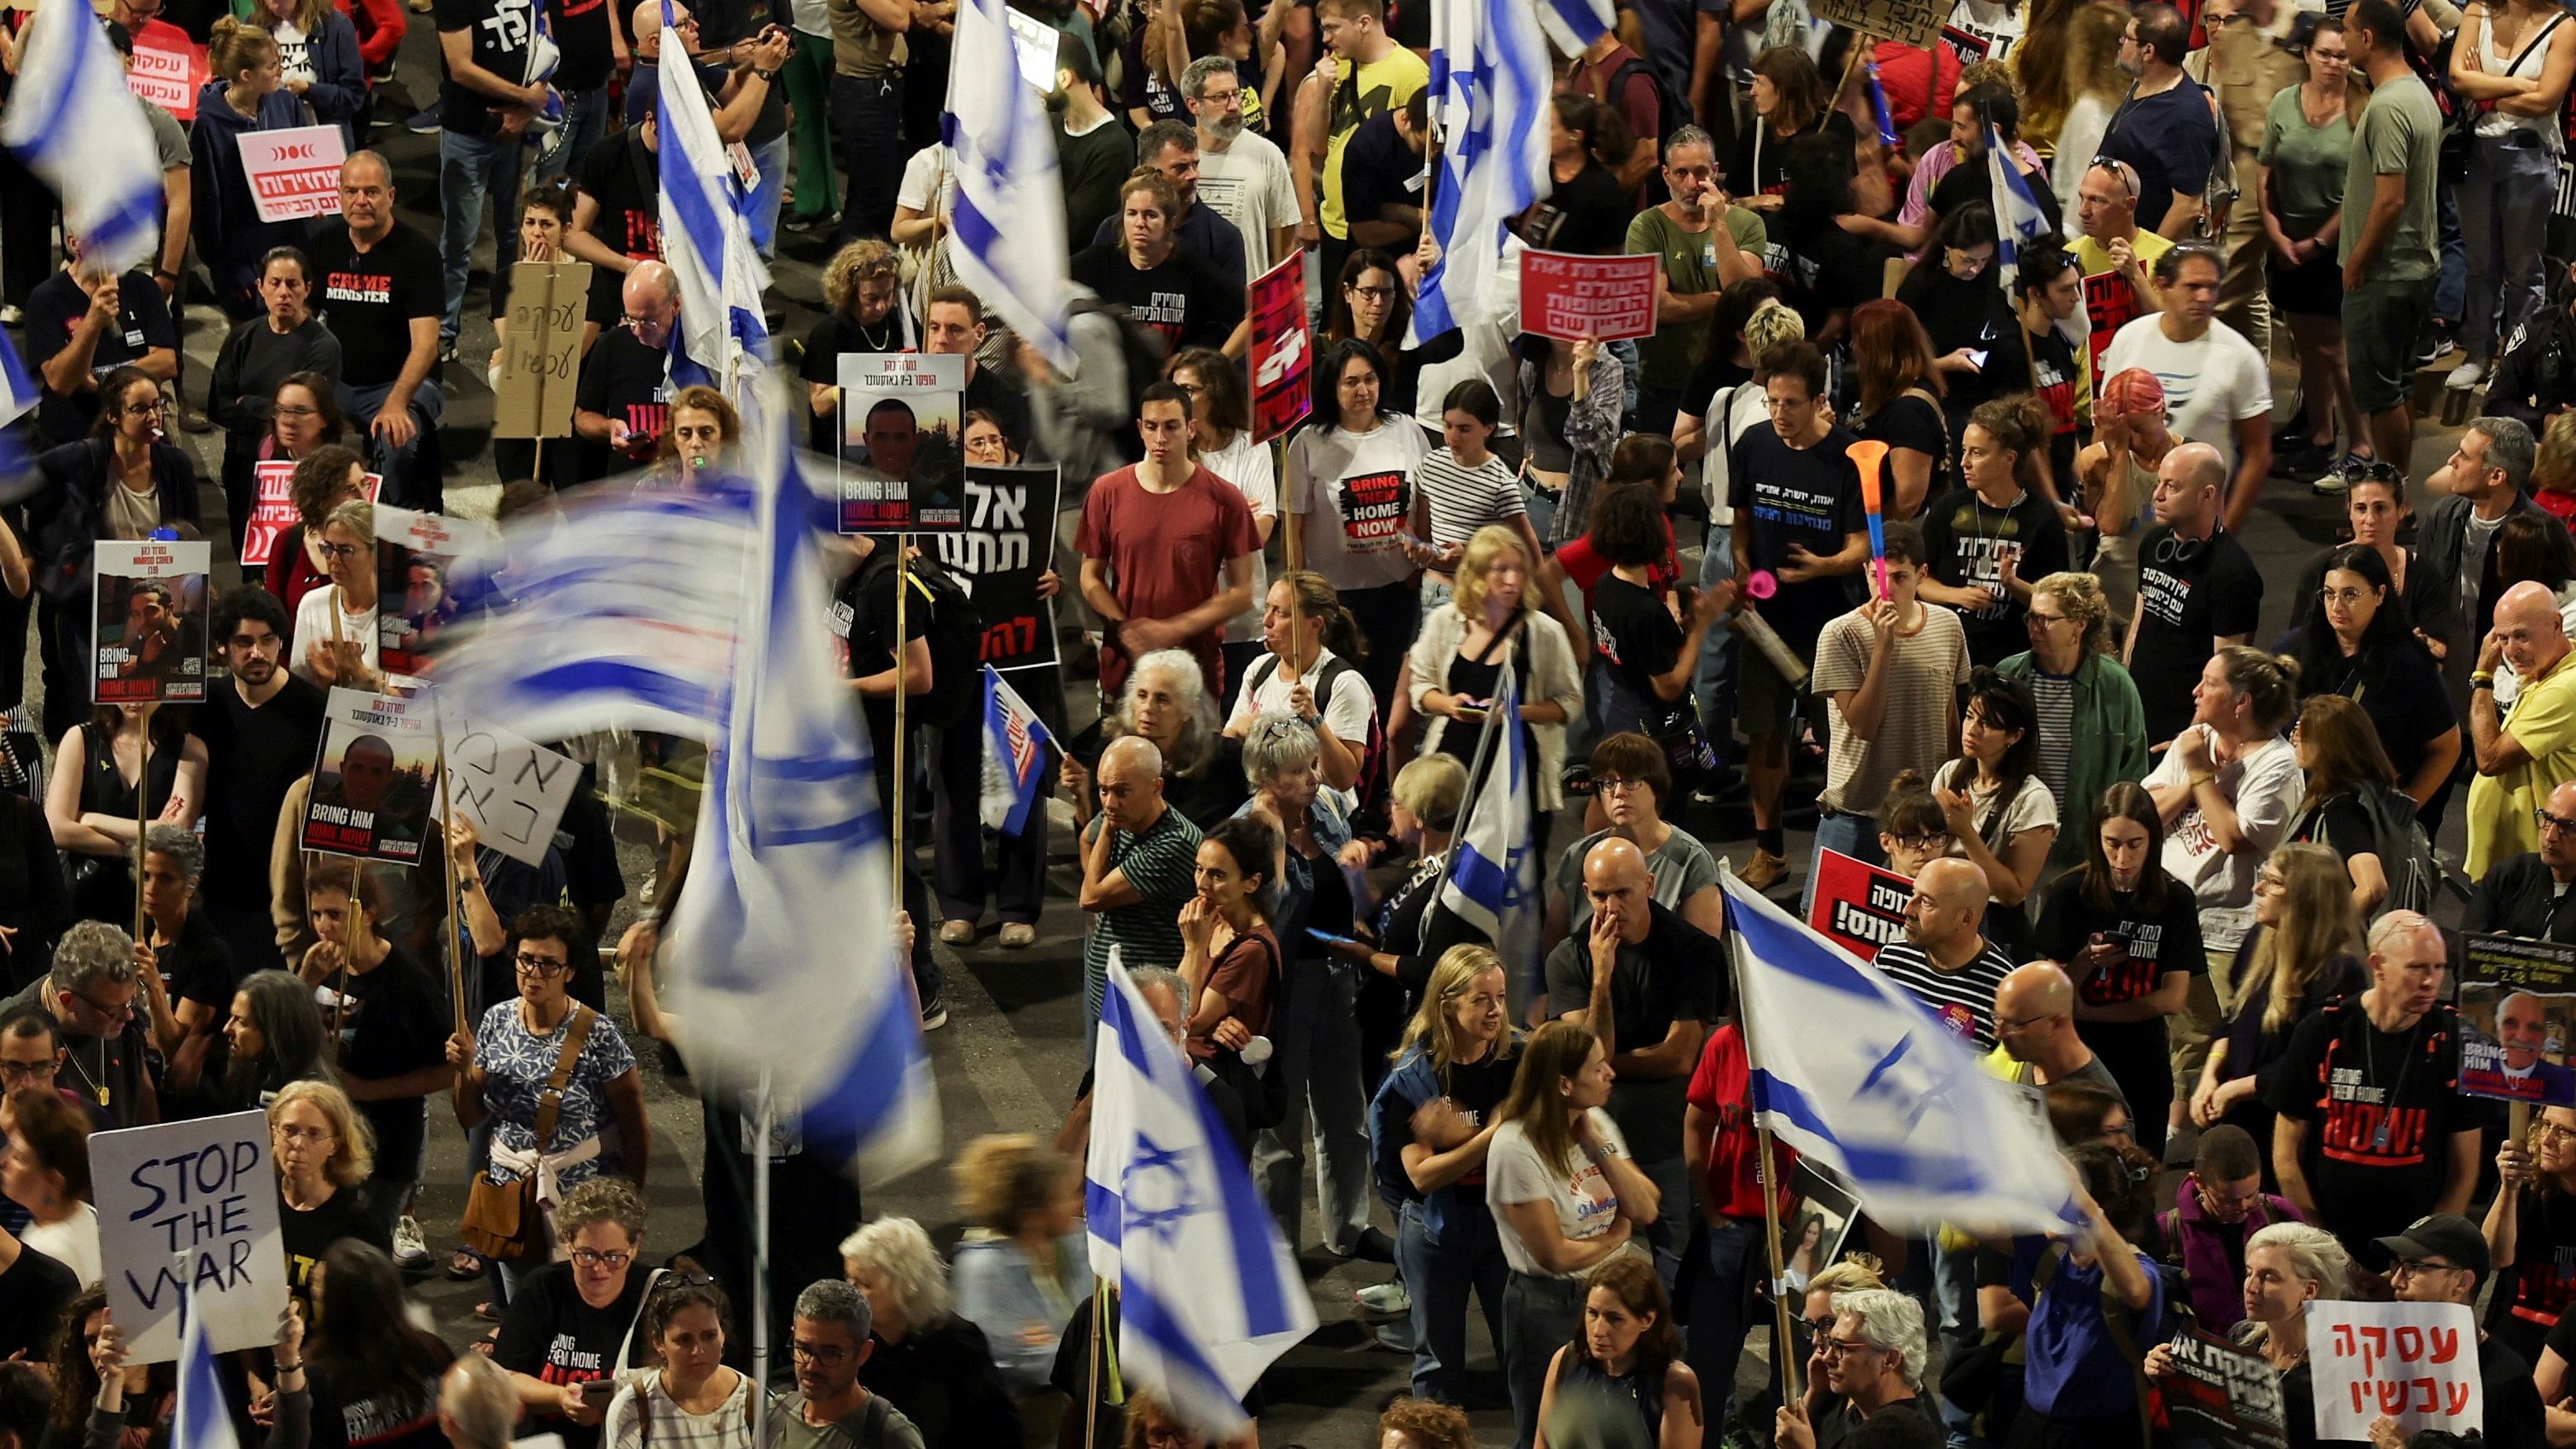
x=1554, y=675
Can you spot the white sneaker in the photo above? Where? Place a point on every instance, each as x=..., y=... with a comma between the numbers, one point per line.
x=411, y=1250
x=1387, y=1298
x=2468, y=374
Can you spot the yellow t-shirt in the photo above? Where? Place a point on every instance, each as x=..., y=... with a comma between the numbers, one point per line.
x=2543, y=722
x=1381, y=85
x=2109, y=301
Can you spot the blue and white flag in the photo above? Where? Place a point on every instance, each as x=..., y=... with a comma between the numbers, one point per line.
x=2019, y=219
x=71, y=120
x=1493, y=868
x=1014, y=757
x=1009, y=214
x=1490, y=90
x=1889, y=1097
x=1208, y=1292
x=707, y=240
x=18, y=397
x=1575, y=24
x=201, y=1420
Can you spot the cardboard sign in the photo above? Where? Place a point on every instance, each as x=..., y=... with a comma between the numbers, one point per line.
x=1578, y=298
x=1283, y=349
x=274, y=513
x=2517, y=1014
x=150, y=606
x=1859, y=907
x=1916, y=22
x=541, y=366
x=2416, y=1363
x=373, y=777
x=512, y=789
x=902, y=447
x=413, y=554
x=190, y=1209
x=1007, y=544
x=168, y=78
x=2221, y=1396
x=294, y=173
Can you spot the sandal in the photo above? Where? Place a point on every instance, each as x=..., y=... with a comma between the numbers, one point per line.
x=489, y=1342
x=464, y=1265
x=487, y=1312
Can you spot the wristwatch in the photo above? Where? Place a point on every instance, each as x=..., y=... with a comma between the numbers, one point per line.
x=770, y=76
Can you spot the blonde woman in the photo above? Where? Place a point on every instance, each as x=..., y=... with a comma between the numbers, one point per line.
x=2094, y=85
x=325, y=1152
x=1021, y=1270
x=2289, y=1267
x=322, y=68
x=2304, y=950
x=1492, y=622
x=2086, y=700
x=931, y=1365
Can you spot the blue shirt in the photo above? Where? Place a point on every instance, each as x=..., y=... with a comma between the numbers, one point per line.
x=2074, y=1370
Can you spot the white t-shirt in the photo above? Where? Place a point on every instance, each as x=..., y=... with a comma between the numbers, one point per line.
x=1984, y=29
x=1248, y=466
x=1346, y=710
x=1583, y=1200
x=1249, y=184
x=313, y=621
x=914, y=189
x=1354, y=492
x=73, y=1242
x=294, y=51
x=2265, y=784
x=2032, y=807
x=2212, y=383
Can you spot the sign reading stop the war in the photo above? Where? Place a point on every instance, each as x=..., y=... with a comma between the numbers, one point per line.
x=2416, y=1363
x=294, y=173
x=189, y=1210
x=1596, y=299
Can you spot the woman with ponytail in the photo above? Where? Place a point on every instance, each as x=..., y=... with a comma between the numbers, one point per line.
x=1990, y=540
x=1311, y=670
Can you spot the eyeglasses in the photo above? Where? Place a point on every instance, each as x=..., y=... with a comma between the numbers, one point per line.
x=2409, y=1267
x=2549, y=1131
x=341, y=550
x=1616, y=785
x=2117, y=167
x=674, y=1282
x=146, y=409
x=2349, y=598
x=542, y=965
x=1918, y=843
x=1375, y=294
x=2553, y=824
x=822, y=1353
x=1837, y=1347
x=112, y=1013
x=594, y=1258
x=29, y=1071
x=298, y=412
x=2038, y=620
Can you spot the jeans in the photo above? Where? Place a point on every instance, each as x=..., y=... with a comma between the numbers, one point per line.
x=469, y=169
x=399, y=465
x=1317, y=1036
x=1540, y=1316
x=2451, y=284
x=760, y=210
x=2504, y=211
x=867, y=116
x=585, y=122
x=1714, y=683
x=1018, y=885
x=1721, y=1312
x=1439, y=1276
x=1846, y=834
x=1669, y=1234
x=809, y=94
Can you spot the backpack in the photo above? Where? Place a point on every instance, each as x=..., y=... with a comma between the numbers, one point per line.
x=1672, y=109
x=2414, y=876
x=1371, y=787
x=956, y=636
x=1142, y=350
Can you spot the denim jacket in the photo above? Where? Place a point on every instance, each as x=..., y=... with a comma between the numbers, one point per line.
x=1410, y=1083
x=999, y=1292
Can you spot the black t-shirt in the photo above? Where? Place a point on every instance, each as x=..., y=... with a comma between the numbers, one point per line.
x=1673, y=975
x=1378, y=171
x=397, y=1021
x=1830, y=271
x=2381, y=1108
x=1911, y=421
x=500, y=30
x=2401, y=689
x=1761, y=163
x=2544, y=1259
x=2339, y=822
x=1009, y=403
x=252, y=755
x=1969, y=539
x=2158, y=942
x=627, y=382
x=582, y=30
x=1808, y=496
x=863, y=620
x=1588, y=214
x=54, y=311
x=310, y=1232
x=34, y=1290
x=379, y=1422
x=1634, y=631
x=550, y=1333
x=2513, y=1408
x=1970, y=314
x=835, y=334
x=368, y=299
x=1184, y=299
x=2188, y=594
x=625, y=180
x=199, y=967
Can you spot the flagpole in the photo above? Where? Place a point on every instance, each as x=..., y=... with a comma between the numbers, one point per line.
x=447, y=831
x=902, y=690
x=1091, y=1400
x=1783, y=1341
x=142, y=809
x=763, y=1127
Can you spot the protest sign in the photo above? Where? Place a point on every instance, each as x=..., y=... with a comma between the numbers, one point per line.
x=1915, y=22
x=2220, y=1396
x=1283, y=350
x=1859, y=906
x=150, y=608
x=902, y=442
x=541, y=366
x=413, y=551
x=514, y=791
x=190, y=1207
x=2517, y=1015
x=1006, y=547
x=1601, y=299
x=169, y=77
x=294, y=173
x=274, y=512
x=2416, y=1363
x=372, y=777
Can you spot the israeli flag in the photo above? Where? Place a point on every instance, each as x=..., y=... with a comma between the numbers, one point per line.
x=1208, y=1293
x=1490, y=93
x=2019, y=219
x=1889, y=1097
x=71, y=120
x=1009, y=215
x=1575, y=24
x=1493, y=868
x=1014, y=757
x=707, y=241
x=544, y=58
x=201, y=1421
x=18, y=397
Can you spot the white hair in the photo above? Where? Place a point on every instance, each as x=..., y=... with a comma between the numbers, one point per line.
x=1892, y=1321
x=898, y=1248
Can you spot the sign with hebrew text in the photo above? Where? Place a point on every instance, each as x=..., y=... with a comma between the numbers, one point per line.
x=513, y=790
x=2416, y=1363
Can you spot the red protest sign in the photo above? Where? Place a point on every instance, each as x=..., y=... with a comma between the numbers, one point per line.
x=168, y=77
x=294, y=173
x=1859, y=907
x=2416, y=1363
x=1578, y=298
x=274, y=513
x=1283, y=353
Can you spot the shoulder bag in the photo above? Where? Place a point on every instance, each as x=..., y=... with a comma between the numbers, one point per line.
x=502, y=1220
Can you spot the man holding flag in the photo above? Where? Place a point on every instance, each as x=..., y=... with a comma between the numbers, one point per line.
x=1490, y=90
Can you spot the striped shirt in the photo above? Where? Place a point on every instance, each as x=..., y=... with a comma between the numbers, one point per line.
x=1464, y=499
x=1964, y=999
x=2054, y=694
x=1162, y=865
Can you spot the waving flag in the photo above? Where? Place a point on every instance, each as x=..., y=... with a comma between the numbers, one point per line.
x=1208, y=1292
x=707, y=241
x=1490, y=89
x=1889, y=1097
x=1575, y=24
x=201, y=1421
x=1010, y=211
x=71, y=120
x=1493, y=870
x=2019, y=221
x=1014, y=757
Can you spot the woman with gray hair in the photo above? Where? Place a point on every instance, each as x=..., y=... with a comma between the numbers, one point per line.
x=2288, y=1267
x=335, y=627
x=933, y=1365
x=1166, y=701
x=186, y=966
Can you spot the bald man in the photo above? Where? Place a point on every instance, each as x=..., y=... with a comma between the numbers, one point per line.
x=2534, y=893
x=1945, y=959
x=2197, y=588
x=1649, y=984
x=1139, y=867
x=2035, y=1029
x=2526, y=753
x=2523, y=1073
x=377, y=284
x=622, y=407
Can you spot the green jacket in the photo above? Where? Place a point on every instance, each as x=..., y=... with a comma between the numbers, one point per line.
x=2110, y=745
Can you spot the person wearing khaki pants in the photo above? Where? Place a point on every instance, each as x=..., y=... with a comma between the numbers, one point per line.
x=2245, y=65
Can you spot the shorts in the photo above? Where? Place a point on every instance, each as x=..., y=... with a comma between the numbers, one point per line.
x=2381, y=319
x=1765, y=703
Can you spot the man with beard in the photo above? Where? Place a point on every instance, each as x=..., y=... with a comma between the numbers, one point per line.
x=830, y=1406
x=151, y=634
x=260, y=735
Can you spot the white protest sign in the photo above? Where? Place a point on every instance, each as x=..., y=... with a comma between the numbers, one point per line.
x=294, y=173
x=190, y=1207
x=512, y=789
x=2416, y=1363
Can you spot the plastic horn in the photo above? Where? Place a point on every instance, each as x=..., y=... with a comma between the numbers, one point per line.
x=1867, y=456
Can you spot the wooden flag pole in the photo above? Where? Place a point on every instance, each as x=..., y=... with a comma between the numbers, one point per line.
x=1784, y=1340
x=1091, y=1399
x=902, y=690
x=447, y=834
x=142, y=811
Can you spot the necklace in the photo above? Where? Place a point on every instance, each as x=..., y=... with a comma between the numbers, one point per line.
x=97, y=1084
x=2405, y=1067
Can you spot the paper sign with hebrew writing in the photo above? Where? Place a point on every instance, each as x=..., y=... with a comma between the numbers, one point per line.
x=190, y=1209
x=2416, y=1363
x=541, y=366
x=294, y=173
x=513, y=790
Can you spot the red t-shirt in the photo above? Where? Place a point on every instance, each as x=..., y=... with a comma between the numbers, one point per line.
x=1722, y=1086
x=1167, y=554
x=2561, y=506
x=1585, y=565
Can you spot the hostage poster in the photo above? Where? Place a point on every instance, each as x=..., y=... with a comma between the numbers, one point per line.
x=150, y=607
x=2517, y=1015
x=373, y=777
x=902, y=448
x=1005, y=549
x=413, y=554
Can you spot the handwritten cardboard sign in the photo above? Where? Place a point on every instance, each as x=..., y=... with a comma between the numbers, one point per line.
x=2518, y=1017
x=274, y=512
x=373, y=775
x=1578, y=298
x=542, y=364
x=1007, y=545
x=902, y=444
x=169, y=78
x=190, y=1208
x=1859, y=907
x=1916, y=22
x=150, y=606
x=2416, y=1363
x=1283, y=351
x=294, y=173
x=2221, y=1396
x=513, y=790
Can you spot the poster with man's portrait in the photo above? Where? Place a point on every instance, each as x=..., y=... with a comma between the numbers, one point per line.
x=374, y=777
x=2517, y=1019
x=414, y=553
x=902, y=452
x=150, y=608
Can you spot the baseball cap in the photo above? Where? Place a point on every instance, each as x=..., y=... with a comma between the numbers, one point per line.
x=2447, y=1236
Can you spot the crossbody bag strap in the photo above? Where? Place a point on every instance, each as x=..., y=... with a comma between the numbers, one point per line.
x=567, y=1057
